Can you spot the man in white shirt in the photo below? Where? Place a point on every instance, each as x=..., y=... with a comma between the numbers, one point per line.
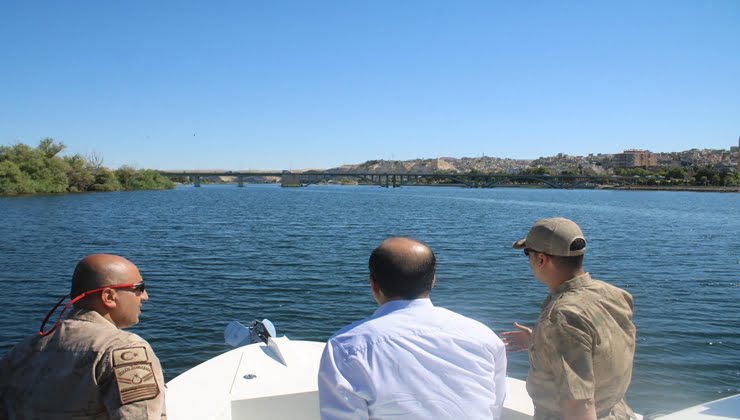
x=410, y=359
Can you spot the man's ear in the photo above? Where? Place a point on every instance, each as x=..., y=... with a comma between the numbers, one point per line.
x=108, y=298
x=539, y=259
x=434, y=281
x=546, y=259
x=374, y=285
x=377, y=292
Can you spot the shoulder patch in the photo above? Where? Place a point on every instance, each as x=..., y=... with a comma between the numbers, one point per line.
x=129, y=355
x=136, y=382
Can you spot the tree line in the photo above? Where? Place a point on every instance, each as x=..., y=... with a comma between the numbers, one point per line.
x=40, y=170
x=724, y=177
x=676, y=175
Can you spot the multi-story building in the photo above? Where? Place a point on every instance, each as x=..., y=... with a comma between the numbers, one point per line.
x=634, y=158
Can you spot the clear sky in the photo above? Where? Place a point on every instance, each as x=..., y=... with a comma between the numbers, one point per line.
x=315, y=84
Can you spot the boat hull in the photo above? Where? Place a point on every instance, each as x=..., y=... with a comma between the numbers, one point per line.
x=274, y=381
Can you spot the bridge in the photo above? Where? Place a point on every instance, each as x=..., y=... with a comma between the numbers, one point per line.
x=394, y=180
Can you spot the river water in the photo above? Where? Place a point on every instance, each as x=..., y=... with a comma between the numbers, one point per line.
x=298, y=256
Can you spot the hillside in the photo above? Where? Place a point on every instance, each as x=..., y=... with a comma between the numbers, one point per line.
x=428, y=166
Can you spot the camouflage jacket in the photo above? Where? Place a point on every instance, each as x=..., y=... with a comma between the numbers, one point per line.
x=87, y=368
x=582, y=347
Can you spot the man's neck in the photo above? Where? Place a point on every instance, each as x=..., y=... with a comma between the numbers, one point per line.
x=560, y=278
x=382, y=299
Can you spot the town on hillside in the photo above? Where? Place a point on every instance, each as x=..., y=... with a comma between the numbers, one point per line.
x=593, y=164
x=695, y=167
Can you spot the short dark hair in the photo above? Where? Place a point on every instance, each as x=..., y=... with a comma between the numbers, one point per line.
x=570, y=263
x=402, y=277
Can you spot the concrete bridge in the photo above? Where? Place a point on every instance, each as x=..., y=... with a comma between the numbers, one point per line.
x=393, y=180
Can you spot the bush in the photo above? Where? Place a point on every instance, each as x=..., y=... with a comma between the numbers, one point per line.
x=26, y=170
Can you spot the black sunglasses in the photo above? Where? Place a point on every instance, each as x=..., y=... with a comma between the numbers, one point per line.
x=528, y=251
x=139, y=287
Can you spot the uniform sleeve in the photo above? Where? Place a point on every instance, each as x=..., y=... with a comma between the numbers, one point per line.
x=338, y=398
x=572, y=364
x=11, y=386
x=134, y=388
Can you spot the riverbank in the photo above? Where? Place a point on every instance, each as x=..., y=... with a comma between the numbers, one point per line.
x=676, y=188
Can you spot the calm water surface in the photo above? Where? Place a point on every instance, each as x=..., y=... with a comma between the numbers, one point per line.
x=298, y=256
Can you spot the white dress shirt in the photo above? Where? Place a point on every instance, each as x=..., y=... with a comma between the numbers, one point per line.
x=412, y=360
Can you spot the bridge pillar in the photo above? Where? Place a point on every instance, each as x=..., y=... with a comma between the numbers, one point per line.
x=290, y=180
x=196, y=181
x=241, y=180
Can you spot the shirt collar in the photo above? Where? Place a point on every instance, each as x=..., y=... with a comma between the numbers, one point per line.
x=89, y=316
x=575, y=283
x=399, y=304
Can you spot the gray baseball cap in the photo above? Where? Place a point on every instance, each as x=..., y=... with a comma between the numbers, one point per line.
x=553, y=236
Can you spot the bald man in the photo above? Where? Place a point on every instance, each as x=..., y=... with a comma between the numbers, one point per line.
x=85, y=366
x=410, y=359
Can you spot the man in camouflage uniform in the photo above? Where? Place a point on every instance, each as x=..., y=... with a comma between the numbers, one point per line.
x=583, y=344
x=86, y=366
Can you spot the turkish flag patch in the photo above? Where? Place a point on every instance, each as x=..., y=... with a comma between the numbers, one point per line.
x=129, y=355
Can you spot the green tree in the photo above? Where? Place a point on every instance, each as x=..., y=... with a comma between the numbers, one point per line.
x=676, y=172
x=706, y=175
x=13, y=180
x=540, y=170
x=145, y=179
x=125, y=175
x=105, y=180
x=79, y=174
x=641, y=172
x=733, y=179
x=39, y=170
x=53, y=178
x=726, y=177
x=50, y=148
x=43, y=171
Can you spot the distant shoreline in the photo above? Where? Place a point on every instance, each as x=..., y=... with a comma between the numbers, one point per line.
x=675, y=188
x=598, y=187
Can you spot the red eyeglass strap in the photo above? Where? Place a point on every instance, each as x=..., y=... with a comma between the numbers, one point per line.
x=41, y=329
x=78, y=297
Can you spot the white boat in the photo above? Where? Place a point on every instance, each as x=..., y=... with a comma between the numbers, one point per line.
x=722, y=409
x=277, y=380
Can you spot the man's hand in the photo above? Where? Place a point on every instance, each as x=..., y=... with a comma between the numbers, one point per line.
x=517, y=340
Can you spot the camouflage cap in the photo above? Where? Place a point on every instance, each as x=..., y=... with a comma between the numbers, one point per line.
x=553, y=236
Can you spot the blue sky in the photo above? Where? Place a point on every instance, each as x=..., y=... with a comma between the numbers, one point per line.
x=317, y=84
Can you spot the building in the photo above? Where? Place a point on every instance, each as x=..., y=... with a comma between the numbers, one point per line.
x=635, y=158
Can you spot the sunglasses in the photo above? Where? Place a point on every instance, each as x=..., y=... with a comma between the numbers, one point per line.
x=528, y=251
x=137, y=288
